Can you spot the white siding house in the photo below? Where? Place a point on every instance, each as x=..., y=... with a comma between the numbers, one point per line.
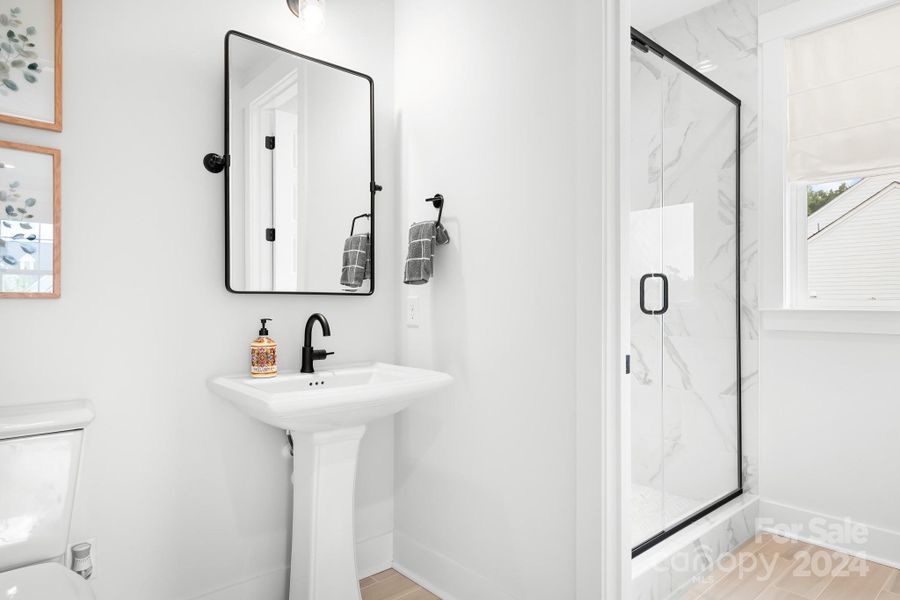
x=854, y=243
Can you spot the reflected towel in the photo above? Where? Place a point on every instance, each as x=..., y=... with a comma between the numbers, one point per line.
x=420, y=255
x=356, y=266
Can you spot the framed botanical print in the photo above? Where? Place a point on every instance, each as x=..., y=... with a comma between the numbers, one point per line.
x=29, y=221
x=31, y=63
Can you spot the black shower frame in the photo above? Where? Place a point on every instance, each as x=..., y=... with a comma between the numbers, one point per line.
x=645, y=44
x=373, y=186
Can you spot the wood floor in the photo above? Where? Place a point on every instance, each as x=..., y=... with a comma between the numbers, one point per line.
x=775, y=568
x=391, y=585
x=766, y=568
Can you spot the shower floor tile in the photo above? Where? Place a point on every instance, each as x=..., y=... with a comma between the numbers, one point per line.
x=647, y=518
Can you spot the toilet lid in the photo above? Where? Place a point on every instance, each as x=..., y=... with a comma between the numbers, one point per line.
x=40, y=582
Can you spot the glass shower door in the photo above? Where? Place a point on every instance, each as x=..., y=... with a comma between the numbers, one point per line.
x=700, y=260
x=645, y=257
x=684, y=318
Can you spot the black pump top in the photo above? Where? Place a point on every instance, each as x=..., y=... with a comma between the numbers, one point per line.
x=264, y=331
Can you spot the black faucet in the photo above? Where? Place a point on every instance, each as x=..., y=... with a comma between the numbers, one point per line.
x=310, y=354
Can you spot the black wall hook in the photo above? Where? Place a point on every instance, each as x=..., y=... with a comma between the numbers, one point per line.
x=438, y=201
x=214, y=163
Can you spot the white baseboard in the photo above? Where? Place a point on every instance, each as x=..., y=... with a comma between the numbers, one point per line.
x=273, y=584
x=448, y=579
x=374, y=555
x=845, y=535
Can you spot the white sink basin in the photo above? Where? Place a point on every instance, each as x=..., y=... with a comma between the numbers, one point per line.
x=326, y=413
x=329, y=399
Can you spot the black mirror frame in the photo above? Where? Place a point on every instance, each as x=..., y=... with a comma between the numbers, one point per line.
x=373, y=187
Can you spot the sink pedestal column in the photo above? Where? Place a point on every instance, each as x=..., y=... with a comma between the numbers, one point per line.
x=323, y=548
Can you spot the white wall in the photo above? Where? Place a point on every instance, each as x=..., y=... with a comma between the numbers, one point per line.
x=829, y=417
x=336, y=103
x=183, y=493
x=828, y=409
x=485, y=478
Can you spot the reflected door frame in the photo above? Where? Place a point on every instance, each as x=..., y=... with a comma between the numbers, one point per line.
x=259, y=264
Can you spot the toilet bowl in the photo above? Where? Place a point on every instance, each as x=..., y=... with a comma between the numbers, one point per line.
x=40, y=451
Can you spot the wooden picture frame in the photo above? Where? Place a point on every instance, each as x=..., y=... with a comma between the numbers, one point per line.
x=8, y=226
x=15, y=81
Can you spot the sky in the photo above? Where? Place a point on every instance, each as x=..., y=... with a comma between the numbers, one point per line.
x=833, y=185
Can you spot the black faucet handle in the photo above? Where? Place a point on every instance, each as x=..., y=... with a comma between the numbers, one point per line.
x=321, y=354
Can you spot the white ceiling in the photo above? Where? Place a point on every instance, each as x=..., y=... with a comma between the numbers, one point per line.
x=650, y=14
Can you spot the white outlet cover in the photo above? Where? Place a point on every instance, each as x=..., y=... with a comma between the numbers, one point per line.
x=412, y=311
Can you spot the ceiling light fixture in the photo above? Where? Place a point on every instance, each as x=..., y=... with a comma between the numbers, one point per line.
x=706, y=65
x=310, y=12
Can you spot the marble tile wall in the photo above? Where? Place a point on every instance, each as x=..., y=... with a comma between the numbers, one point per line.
x=720, y=40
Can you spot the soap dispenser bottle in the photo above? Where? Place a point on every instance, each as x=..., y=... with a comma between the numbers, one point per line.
x=263, y=359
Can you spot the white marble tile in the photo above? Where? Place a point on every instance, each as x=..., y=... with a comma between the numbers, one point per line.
x=676, y=563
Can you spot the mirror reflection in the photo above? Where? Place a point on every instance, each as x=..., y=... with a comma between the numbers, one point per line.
x=300, y=205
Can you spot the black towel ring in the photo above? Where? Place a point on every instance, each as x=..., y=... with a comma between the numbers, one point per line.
x=353, y=225
x=438, y=202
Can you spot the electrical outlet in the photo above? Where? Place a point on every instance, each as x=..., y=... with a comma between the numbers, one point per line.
x=93, y=543
x=412, y=311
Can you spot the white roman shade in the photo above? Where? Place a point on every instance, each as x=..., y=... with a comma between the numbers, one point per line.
x=844, y=99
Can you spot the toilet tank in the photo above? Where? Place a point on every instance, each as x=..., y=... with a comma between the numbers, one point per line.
x=40, y=452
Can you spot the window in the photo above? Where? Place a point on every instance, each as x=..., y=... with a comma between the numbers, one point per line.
x=853, y=240
x=26, y=257
x=842, y=163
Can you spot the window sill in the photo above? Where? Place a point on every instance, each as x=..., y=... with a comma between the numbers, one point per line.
x=882, y=321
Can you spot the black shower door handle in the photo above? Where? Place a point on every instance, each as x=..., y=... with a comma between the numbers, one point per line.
x=665, y=294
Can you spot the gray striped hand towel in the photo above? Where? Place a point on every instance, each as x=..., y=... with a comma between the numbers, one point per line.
x=356, y=266
x=420, y=255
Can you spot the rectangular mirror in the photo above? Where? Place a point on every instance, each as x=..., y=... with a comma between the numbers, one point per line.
x=300, y=173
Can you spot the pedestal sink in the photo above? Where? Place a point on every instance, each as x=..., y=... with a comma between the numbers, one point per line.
x=326, y=413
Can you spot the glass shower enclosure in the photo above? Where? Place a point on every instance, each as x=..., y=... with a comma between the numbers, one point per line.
x=684, y=247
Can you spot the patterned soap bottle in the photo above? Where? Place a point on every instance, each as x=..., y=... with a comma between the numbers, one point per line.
x=263, y=359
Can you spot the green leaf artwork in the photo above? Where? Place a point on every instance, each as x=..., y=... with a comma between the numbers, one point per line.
x=17, y=53
x=15, y=206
